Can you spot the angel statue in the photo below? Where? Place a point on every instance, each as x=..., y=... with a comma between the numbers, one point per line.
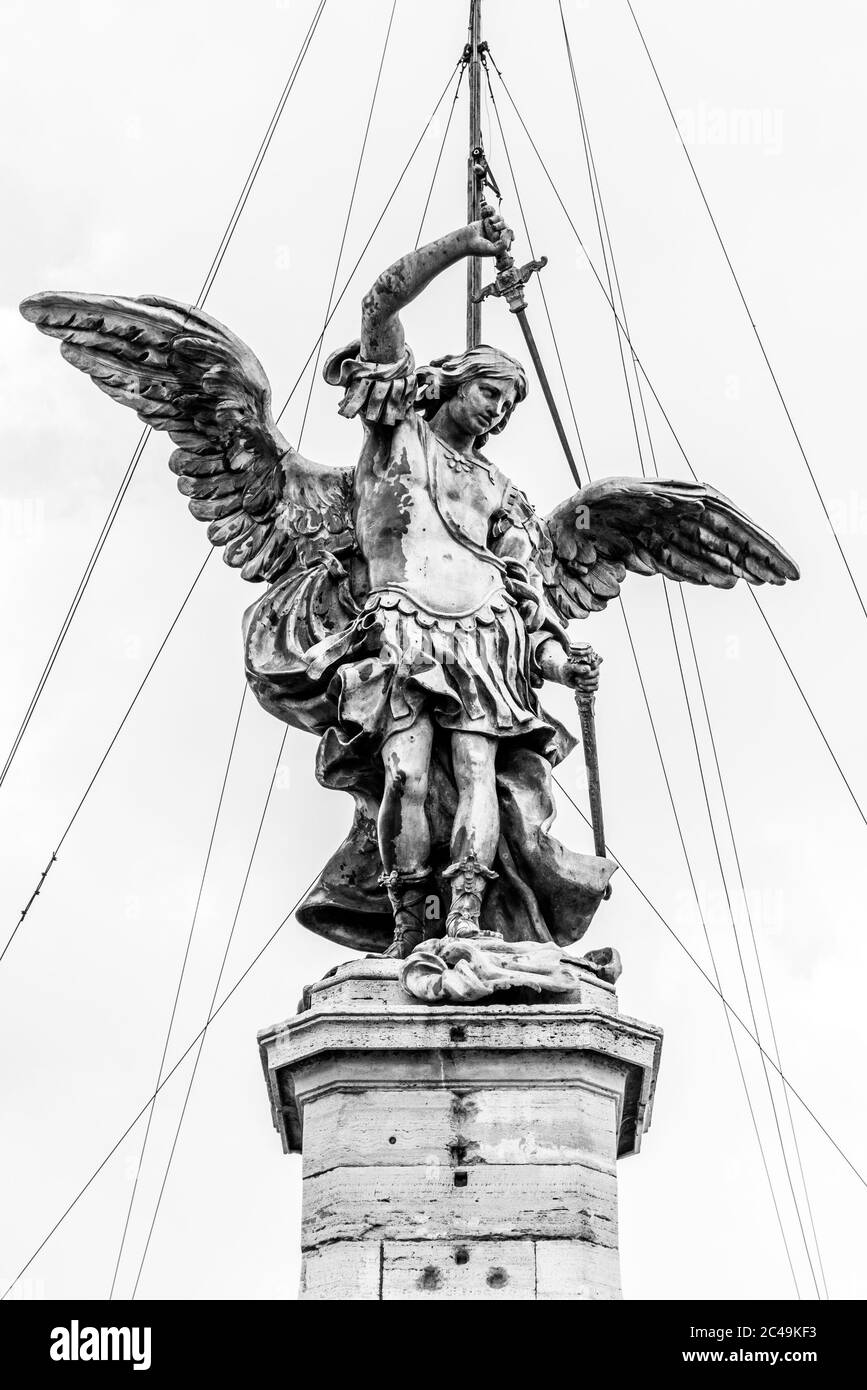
x=415, y=602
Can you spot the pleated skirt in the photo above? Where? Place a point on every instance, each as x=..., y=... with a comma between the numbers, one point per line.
x=397, y=661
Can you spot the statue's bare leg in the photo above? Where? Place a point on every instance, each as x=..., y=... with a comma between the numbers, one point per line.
x=404, y=832
x=475, y=832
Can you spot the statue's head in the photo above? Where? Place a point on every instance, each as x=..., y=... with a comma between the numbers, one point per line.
x=480, y=388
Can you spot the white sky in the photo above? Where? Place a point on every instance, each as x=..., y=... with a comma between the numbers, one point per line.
x=123, y=153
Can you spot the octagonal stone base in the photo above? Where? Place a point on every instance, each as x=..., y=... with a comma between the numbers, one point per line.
x=458, y=1152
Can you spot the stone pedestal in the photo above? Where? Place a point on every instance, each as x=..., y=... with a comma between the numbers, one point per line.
x=458, y=1152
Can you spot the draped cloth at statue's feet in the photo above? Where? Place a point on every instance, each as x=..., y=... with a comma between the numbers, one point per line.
x=307, y=663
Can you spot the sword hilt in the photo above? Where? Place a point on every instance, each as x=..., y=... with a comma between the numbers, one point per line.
x=510, y=282
x=583, y=655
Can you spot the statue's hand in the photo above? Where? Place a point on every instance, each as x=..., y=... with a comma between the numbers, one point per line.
x=528, y=599
x=490, y=237
x=577, y=668
x=580, y=669
x=532, y=613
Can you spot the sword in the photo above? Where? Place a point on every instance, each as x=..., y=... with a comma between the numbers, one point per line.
x=509, y=285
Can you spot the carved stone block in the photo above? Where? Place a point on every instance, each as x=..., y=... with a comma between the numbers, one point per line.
x=458, y=1152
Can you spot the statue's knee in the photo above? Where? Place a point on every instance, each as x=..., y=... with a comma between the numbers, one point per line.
x=405, y=779
x=415, y=788
x=475, y=761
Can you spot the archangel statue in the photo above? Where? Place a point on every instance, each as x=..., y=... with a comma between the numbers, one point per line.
x=415, y=602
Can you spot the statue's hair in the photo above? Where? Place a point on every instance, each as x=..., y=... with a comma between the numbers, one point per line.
x=441, y=378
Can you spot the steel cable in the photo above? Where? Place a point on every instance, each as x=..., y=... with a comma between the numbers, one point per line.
x=127, y=478
x=609, y=258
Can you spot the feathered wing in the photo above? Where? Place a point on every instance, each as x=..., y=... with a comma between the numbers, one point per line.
x=684, y=531
x=183, y=372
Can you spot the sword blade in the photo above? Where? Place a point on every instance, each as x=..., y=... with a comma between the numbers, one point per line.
x=521, y=316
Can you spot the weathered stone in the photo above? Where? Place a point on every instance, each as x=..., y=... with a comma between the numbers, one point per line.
x=575, y=1269
x=485, y=1201
x=328, y=1272
x=461, y=1271
x=490, y=1125
x=458, y=1152
x=495, y=1270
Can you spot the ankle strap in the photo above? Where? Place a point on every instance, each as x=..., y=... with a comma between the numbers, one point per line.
x=470, y=867
x=396, y=879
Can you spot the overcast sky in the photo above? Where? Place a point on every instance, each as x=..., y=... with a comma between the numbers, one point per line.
x=128, y=132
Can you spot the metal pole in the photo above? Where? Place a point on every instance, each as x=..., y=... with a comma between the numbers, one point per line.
x=586, y=714
x=474, y=189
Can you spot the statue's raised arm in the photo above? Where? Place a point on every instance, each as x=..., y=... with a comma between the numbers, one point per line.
x=382, y=337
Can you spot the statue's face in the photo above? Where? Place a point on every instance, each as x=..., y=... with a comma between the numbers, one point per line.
x=480, y=405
